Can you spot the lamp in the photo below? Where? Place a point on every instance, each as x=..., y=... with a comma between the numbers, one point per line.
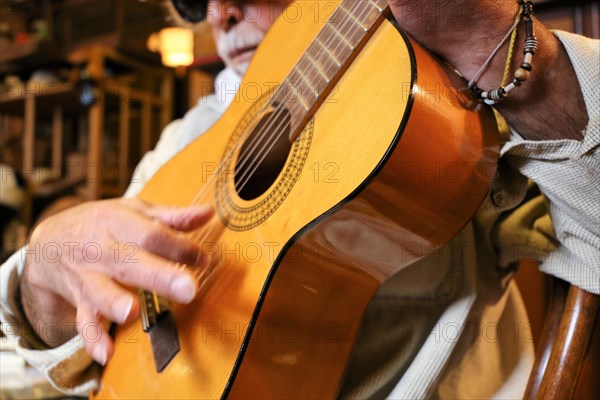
x=176, y=46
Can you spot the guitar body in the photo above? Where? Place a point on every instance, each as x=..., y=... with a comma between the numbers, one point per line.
x=390, y=167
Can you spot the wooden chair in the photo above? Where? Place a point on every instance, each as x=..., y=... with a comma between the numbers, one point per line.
x=565, y=340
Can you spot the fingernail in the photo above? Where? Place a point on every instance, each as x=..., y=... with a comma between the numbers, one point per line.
x=183, y=289
x=99, y=354
x=124, y=305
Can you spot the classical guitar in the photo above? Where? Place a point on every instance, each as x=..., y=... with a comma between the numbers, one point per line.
x=348, y=154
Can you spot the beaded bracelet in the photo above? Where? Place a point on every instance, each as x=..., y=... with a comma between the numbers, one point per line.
x=521, y=75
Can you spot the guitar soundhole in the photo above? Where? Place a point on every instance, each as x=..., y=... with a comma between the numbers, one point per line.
x=263, y=154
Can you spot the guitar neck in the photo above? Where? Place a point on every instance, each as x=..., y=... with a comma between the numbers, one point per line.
x=317, y=72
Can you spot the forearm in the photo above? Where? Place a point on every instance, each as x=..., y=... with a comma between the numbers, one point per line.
x=547, y=106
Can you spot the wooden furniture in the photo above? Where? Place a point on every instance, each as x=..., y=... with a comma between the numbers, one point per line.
x=148, y=95
x=134, y=94
x=71, y=24
x=40, y=102
x=154, y=98
x=562, y=367
x=53, y=103
x=568, y=332
x=582, y=16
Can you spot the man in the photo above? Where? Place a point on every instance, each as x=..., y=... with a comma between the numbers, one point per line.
x=416, y=339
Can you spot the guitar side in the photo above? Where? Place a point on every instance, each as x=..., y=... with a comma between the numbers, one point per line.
x=282, y=310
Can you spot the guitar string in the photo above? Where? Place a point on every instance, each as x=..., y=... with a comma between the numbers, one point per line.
x=198, y=273
x=245, y=178
x=367, y=11
x=200, y=197
x=251, y=153
x=293, y=78
x=273, y=117
x=265, y=150
x=232, y=150
x=348, y=20
x=258, y=139
x=229, y=154
x=203, y=275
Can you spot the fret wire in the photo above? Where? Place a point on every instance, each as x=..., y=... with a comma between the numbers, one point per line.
x=342, y=7
x=376, y=5
x=306, y=79
x=372, y=14
x=355, y=11
x=304, y=87
x=298, y=95
x=314, y=64
x=328, y=51
x=312, y=74
x=297, y=114
x=326, y=36
x=295, y=94
x=319, y=80
x=329, y=42
x=313, y=68
x=352, y=36
x=340, y=35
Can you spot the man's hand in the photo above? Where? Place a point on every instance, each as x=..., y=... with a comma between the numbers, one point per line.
x=79, y=259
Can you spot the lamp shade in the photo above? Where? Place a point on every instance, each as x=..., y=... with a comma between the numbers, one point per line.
x=176, y=46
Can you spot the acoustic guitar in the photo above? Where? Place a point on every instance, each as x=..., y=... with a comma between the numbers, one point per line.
x=348, y=154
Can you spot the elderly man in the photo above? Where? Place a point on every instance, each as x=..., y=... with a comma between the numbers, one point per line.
x=555, y=131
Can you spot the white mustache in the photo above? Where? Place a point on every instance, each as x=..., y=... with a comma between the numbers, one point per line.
x=241, y=36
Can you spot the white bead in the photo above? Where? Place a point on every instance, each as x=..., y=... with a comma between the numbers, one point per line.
x=509, y=87
x=528, y=57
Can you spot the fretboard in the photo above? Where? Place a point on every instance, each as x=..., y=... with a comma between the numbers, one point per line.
x=330, y=54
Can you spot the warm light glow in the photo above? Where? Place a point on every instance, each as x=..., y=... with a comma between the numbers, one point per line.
x=176, y=46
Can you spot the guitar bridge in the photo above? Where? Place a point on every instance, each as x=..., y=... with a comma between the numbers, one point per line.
x=159, y=323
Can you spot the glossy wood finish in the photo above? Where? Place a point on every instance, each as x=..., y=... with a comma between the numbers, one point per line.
x=395, y=166
x=560, y=357
x=558, y=298
x=406, y=212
